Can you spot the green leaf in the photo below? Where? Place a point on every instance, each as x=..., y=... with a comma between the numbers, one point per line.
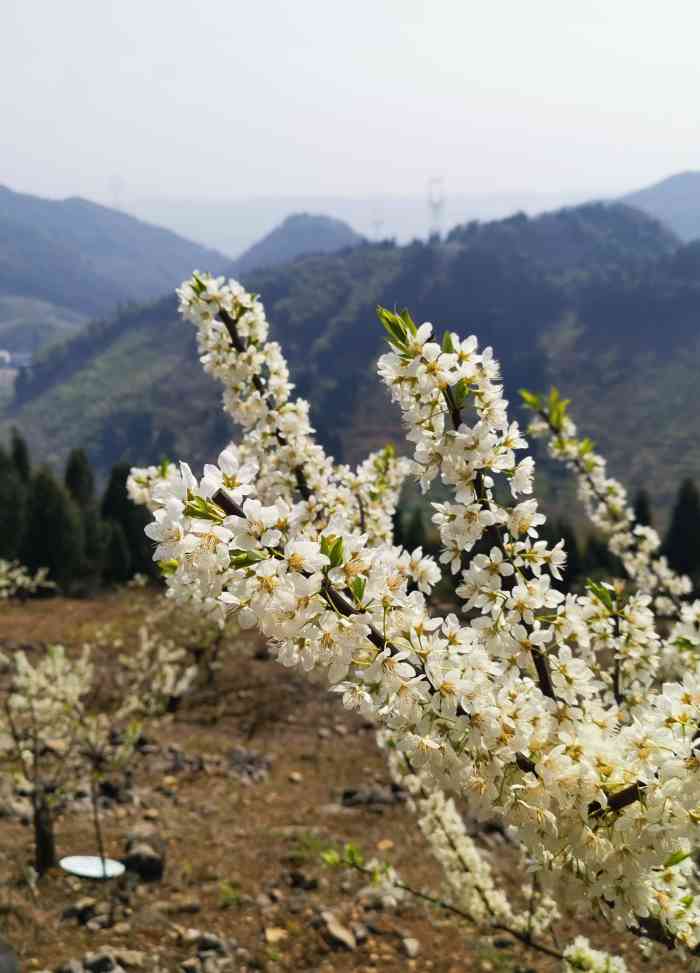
x=337, y=553
x=332, y=547
x=460, y=392
x=685, y=645
x=358, y=589
x=244, y=559
x=408, y=321
x=531, y=399
x=602, y=593
x=557, y=408
x=676, y=858
x=353, y=855
x=203, y=509
x=447, y=345
x=331, y=858
x=394, y=326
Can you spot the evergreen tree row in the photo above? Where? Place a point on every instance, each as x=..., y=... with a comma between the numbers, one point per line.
x=82, y=539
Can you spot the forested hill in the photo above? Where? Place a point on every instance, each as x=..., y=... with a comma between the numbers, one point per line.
x=299, y=234
x=63, y=261
x=600, y=299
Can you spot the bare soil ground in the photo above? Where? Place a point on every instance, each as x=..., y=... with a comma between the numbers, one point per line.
x=243, y=858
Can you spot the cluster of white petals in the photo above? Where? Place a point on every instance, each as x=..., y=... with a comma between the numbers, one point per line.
x=544, y=708
x=580, y=955
x=470, y=884
x=49, y=731
x=606, y=504
x=16, y=580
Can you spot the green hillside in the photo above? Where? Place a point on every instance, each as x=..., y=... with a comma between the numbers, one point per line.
x=28, y=324
x=600, y=299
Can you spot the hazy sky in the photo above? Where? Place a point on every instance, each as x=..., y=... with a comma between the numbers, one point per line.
x=243, y=97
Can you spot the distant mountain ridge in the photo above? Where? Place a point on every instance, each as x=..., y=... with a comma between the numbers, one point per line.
x=80, y=259
x=600, y=299
x=64, y=261
x=675, y=201
x=300, y=234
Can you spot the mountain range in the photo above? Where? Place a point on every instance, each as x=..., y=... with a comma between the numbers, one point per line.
x=63, y=262
x=600, y=298
x=233, y=224
x=674, y=201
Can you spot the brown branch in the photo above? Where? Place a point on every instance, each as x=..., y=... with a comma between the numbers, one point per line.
x=617, y=668
x=544, y=674
x=619, y=800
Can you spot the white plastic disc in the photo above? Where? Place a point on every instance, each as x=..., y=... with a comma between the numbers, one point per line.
x=91, y=866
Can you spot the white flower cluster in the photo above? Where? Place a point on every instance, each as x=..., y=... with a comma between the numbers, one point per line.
x=606, y=503
x=512, y=708
x=470, y=885
x=155, y=676
x=47, y=699
x=16, y=580
x=232, y=336
x=580, y=955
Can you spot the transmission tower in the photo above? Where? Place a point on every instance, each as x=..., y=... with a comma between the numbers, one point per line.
x=436, y=204
x=377, y=223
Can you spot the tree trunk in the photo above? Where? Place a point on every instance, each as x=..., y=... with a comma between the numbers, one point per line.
x=44, y=842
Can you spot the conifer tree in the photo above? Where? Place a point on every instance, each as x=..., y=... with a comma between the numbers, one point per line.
x=117, y=559
x=79, y=479
x=80, y=483
x=13, y=497
x=117, y=507
x=682, y=543
x=53, y=536
x=20, y=456
x=642, y=509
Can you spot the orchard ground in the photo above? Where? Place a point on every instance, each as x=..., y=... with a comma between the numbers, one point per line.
x=243, y=857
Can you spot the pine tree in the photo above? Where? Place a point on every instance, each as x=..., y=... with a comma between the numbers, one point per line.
x=20, y=456
x=682, y=543
x=53, y=537
x=79, y=479
x=642, y=509
x=80, y=483
x=117, y=560
x=13, y=499
x=117, y=507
